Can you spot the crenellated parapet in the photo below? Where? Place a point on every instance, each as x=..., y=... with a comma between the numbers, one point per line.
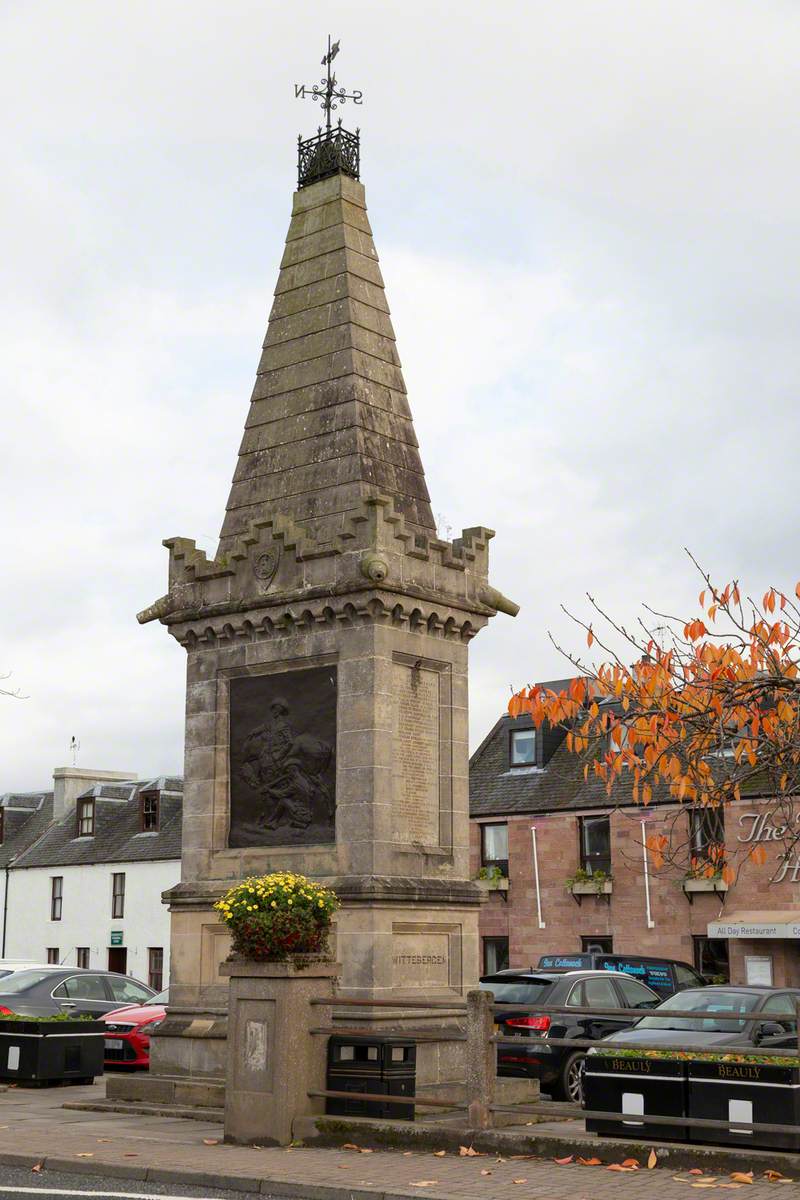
x=277, y=561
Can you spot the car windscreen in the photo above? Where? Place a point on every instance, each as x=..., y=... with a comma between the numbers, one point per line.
x=20, y=981
x=160, y=997
x=657, y=975
x=711, y=1007
x=518, y=991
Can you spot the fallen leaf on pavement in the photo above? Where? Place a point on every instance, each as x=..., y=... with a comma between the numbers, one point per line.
x=696, y=1171
x=773, y=1176
x=343, y=1166
x=619, y=1167
x=37, y=1168
x=84, y=1154
x=425, y=1183
x=590, y=1162
x=519, y=1181
x=631, y=1162
x=129, y=1154
x=652, y=1160
x=210, y=1141
x=407, y=1153
x=704, y=1185
x=364, y=1150
x=439, y=1153
x=563, y=1162
x=470, y=1152
x=349, y=1146
x=742, y=1176
x=485, y=1172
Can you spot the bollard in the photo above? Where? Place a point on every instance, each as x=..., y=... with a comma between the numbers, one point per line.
x=481, y=1059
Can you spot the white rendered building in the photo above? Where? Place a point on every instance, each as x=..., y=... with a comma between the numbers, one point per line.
x=82, y=869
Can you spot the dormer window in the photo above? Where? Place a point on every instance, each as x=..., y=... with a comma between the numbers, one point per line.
x=522, y=748
x=150, y=812
x=86, y=818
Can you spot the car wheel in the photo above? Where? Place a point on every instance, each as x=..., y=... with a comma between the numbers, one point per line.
x=572, y=1078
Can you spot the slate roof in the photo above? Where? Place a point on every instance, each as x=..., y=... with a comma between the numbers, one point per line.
x=38, y=841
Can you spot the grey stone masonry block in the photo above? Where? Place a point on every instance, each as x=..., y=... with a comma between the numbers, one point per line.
x=327, y=316
x=335, y=237
x=333, y=213
x=325, y=266
x=334, y=188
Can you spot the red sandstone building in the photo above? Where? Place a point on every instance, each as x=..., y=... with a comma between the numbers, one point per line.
x=567, y=870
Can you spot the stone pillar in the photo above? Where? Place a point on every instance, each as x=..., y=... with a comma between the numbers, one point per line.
x=273, y=1060
x=481, y=1059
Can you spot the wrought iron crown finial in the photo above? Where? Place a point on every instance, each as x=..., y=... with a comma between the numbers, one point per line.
x=335, y=149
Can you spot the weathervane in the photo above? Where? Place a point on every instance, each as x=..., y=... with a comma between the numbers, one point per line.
x=74, y=746
x=328, y=91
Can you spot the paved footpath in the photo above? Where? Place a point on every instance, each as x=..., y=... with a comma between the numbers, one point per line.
x=164, y=1149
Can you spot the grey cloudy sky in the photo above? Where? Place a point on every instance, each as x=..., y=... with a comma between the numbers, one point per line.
x=587, y=218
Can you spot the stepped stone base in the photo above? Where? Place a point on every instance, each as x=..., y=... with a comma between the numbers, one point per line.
x=163, y=1090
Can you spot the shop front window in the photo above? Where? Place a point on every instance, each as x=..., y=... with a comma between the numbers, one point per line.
x=711, y=959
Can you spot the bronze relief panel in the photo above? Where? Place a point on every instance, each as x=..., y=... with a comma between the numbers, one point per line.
x=283, y=758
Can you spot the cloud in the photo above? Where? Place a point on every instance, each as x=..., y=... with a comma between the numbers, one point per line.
x=586, y=216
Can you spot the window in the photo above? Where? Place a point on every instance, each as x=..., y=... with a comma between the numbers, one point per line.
x=56, y=896
x=522, y=748
x=155, y=968
x=687, y=978
x=53, y=955
x=82, y=987
x=118, y=894
x=83, y=956
x=592, y=944
x=635, y=995
x=495, y=955
x=128, y=991
x=494, y=847
x=783, y=1007
x=593, y=993
x=2, y=825
x=150, y=813
x=711, y=959
x=85, y=818
x=706, y=832
x=595, y=844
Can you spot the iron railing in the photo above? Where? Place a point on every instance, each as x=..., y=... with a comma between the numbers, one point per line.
x=332, y=152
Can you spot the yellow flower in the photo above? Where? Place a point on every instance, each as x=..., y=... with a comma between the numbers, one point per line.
x=273, y=905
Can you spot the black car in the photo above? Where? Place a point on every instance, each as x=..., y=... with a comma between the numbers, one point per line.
x=48, y=991
x=724, y=1018
x=664, y=975
x=558, y=1068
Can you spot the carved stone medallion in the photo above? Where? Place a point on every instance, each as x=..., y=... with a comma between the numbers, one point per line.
x=266, y=566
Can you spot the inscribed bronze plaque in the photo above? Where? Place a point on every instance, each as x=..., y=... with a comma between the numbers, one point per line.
x=283, y=758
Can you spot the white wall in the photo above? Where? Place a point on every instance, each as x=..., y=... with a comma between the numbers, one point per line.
x=86, y=913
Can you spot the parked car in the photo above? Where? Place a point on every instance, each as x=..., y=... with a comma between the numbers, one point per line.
x=558, y=1068
x=129, y=1029
x=724, y=1018
x=48, y=991
x=664, y=975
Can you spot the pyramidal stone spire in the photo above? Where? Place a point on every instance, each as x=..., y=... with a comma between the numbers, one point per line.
x=329, y=423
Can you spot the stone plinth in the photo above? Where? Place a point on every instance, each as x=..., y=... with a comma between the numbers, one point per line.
x=273, y=1061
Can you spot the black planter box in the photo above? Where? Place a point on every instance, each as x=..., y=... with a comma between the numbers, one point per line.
x=745, y=1092
x=635, y=1088
x=381, y=1065
x=51, y=1051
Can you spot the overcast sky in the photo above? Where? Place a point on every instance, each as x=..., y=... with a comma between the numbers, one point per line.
x=587, y=215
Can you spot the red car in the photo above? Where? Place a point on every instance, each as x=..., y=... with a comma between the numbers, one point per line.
x=129, y=1029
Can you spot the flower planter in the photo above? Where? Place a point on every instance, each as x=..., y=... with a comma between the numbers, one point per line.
x=492, y=885
x=741, y=1092
x=634, y=1088
x=705, y=885
x=34, y=1051
x=587, y=888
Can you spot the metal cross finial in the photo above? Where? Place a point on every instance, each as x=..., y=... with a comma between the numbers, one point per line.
x=74, y=747
x=327, y=91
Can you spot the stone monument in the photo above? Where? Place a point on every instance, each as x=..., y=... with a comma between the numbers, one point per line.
x=327, y=642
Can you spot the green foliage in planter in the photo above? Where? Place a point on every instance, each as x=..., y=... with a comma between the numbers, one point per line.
x=39, y=1020
x=490, y=873
x=276, y=917
x=787, y=1060
x=598, y=878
